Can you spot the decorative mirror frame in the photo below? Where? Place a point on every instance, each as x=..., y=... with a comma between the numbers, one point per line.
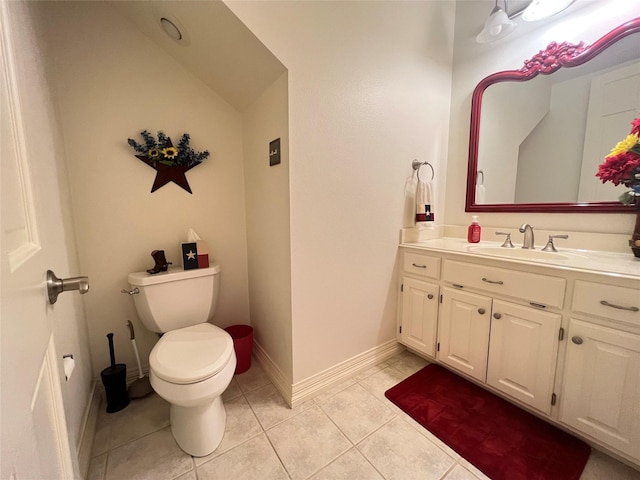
x=544, y=62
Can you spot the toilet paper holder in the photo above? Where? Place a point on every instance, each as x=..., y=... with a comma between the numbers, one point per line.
x=55, y=285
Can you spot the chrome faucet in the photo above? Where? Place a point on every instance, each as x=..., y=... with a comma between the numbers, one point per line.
x=528, y=236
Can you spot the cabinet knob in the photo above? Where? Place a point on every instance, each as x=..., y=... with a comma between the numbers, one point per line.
x=430, y=296
x=497, y=316
x=577, y=340
x=481, y=311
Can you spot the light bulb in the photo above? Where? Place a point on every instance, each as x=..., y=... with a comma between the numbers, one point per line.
x=541, y=9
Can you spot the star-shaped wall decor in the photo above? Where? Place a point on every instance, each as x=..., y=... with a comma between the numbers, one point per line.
x=170, y=163
x=168, y=173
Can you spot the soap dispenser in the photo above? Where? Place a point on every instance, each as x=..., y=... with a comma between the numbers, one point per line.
x=473, y=233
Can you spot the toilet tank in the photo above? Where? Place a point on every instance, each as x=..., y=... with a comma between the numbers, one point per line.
x=176, y=298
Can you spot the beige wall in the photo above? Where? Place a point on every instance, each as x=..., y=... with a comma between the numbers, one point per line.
x=268, y=232
x=368, y=92
x=112, y=82
x=472, y=62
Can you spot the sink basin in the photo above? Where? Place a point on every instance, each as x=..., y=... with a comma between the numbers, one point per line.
x=523, y=253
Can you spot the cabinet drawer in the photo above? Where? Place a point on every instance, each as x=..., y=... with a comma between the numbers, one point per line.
x=537, y=289
x=609, y=301
x=421, y=265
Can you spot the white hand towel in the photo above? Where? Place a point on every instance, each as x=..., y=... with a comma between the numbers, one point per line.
x=481, y=194
x=409, y=211
x=424, y=204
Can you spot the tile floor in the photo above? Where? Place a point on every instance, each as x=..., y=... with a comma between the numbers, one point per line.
x=350, y=432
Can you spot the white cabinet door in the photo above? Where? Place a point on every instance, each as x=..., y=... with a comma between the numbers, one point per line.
x=419, y=315
x=464, y=332
x=522, y=353
x=601, y=388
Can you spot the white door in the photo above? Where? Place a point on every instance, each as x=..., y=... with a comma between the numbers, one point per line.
x=614, y=100
x=35, y=442
x=419, y=315
x=601, y=388
x=463, y=332
x=522, y=353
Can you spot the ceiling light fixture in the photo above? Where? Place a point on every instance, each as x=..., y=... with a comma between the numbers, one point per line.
x=171, y=26
x=171, y=29
x=541, y=9
x=497, y=26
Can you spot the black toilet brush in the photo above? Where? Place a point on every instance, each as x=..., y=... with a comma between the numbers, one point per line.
x=114, y=379
x=141, y=387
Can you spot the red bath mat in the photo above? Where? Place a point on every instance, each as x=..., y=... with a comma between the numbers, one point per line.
x=500, y=439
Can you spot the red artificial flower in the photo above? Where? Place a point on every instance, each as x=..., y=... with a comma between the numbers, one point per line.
x=635, y=126
x=617, y=169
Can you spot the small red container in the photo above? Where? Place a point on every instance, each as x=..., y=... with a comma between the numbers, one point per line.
x=242, y=344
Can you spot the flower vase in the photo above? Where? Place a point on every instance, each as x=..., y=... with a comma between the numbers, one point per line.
x=635, y=238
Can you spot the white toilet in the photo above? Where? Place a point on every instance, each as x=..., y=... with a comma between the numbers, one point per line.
x=194, y=361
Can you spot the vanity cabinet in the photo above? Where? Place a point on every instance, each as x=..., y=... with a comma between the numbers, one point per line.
x=487, y=335
x=419, y=315
x=512, y=348
x=601, y=387
x=463, y=337
x=523, y=351
x=419, y=303
x=562, y=342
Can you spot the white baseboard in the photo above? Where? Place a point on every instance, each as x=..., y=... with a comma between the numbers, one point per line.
x=279, y=379
x=306, y=389
x=312, y=386
x=88, y=429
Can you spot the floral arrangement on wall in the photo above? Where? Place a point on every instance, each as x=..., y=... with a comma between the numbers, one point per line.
x=171, y=162
x=622, y=165
x=163, y=151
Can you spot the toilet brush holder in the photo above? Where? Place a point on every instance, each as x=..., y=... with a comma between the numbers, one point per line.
x=114, y=379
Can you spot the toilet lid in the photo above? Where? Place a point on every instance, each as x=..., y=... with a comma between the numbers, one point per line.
x=191, y=354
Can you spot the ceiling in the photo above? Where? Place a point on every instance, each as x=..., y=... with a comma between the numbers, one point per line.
x=230, y=59
x=219, y=48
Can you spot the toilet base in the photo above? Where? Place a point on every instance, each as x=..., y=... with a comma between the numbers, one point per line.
x=199, y=430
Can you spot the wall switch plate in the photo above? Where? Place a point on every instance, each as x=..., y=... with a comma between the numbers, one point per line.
x=274, y=152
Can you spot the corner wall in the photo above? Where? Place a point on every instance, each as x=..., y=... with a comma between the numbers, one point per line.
x=369, y=86
x=268, y=230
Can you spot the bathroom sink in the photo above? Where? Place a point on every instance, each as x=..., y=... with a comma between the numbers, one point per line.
x=523, y=253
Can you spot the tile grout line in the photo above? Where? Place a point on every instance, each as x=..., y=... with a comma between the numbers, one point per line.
x=354, y=445
x=262, y=432
x=362, y=453
x=273, y=448
x=342, y=432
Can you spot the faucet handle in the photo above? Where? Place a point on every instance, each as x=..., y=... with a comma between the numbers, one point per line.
x=507, y=241
x=550, y=247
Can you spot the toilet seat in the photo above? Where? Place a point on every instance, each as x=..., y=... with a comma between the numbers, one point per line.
x=191, y=354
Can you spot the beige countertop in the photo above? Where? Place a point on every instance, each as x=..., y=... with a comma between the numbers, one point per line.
x=593, y=261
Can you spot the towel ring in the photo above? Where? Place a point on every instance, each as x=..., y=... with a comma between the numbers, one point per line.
x=416, y=164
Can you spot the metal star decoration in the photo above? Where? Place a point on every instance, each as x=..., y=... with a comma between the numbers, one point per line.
x=168, y=173
x=171, y=163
